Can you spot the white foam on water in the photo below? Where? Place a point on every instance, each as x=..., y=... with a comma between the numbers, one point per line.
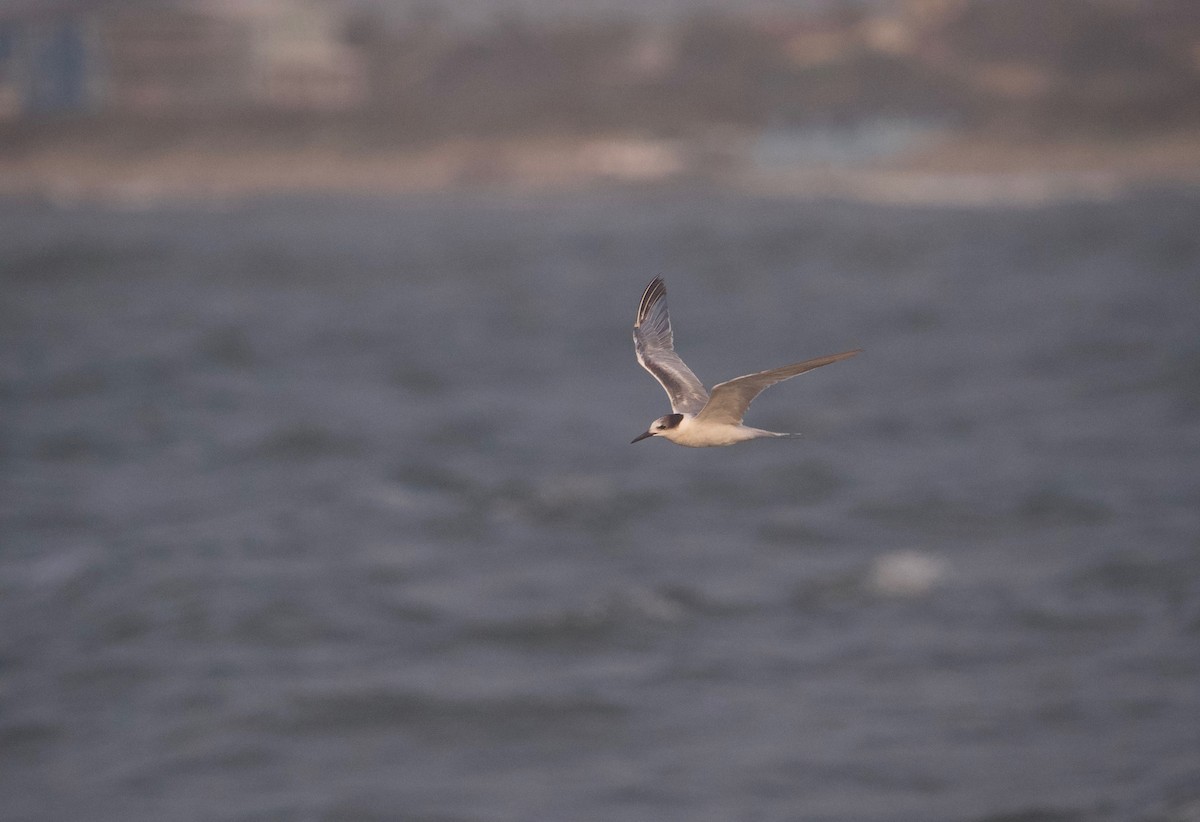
x=906, y=574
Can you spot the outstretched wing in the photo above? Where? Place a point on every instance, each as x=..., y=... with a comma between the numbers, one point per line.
x=655, y=347
x=731, y=399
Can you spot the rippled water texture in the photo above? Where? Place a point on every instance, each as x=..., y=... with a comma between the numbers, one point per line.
x=328, y=511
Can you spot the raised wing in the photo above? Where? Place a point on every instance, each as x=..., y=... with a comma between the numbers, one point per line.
x=655, y=347
x=731, y=399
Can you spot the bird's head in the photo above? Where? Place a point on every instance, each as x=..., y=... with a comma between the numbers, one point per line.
x=660, y=426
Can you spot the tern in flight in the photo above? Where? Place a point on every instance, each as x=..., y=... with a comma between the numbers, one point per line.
x=699, y=419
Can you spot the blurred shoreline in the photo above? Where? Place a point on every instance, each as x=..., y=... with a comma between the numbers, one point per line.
x=913, y=101
x=943, y=167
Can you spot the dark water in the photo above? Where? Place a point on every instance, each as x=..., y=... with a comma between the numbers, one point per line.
x=327, y=511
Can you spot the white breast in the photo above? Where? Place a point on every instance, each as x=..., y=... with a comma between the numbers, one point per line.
x=696, y=434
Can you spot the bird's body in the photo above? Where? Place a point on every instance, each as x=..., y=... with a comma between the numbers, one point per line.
x=700, y=419
x=698, y=433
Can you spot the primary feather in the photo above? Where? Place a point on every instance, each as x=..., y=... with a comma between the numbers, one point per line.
x=655, y=347
x=730, y=399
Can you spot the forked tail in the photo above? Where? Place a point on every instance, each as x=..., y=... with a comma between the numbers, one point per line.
x=760, y=433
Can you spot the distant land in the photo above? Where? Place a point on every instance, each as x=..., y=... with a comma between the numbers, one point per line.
x=907, y=99
x=482, y=11
x=947, y=168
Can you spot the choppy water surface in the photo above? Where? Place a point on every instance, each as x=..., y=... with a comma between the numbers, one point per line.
x=327, y=511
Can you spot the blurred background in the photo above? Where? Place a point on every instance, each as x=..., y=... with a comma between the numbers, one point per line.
x=316, y=390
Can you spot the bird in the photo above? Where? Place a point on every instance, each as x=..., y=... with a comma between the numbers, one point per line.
x=698, y=419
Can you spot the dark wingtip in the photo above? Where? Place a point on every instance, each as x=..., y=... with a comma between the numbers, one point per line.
x=653, y=293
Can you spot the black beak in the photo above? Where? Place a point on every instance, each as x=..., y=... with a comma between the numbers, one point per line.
x=640, y=437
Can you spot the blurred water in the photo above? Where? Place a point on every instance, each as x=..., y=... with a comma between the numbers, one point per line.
x=327, y=511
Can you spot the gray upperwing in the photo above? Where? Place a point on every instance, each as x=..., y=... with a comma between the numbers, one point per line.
x=655, y=347
x=730, y=399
